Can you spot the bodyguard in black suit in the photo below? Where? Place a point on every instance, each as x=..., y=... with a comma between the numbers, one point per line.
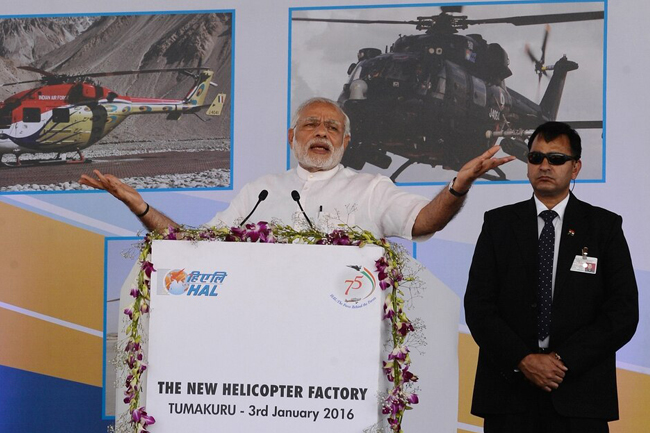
x=547, y=360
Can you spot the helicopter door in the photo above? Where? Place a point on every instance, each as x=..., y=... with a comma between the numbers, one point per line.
x=479, y=93
x=99, y=119
x=457, y=92
x=479, y=98
x=441, y=85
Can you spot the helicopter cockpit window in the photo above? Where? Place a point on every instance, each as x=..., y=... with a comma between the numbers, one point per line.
x=479, y=93
x=400, y=70
x=6, y=111
x=357, y=72
x=61, y=115
x=370, y=69
x=31, y=115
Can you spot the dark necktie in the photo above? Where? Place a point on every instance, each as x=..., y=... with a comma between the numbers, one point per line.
x=545, y=252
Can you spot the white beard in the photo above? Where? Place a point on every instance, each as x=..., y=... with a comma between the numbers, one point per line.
x=308, y=161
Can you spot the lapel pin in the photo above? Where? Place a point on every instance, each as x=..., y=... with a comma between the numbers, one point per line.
x=571, y=232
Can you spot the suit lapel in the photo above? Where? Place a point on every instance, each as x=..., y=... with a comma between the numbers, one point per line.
x=525, y=229
x=572, y=240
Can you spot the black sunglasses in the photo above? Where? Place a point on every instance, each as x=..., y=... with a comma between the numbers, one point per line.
x=554, y=158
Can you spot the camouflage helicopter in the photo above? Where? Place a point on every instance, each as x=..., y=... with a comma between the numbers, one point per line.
x=68, y=113
x=440, y=98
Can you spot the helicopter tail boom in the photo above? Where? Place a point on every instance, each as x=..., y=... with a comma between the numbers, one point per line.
x=551, y=100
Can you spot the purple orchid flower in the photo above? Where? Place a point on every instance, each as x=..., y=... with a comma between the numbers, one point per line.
x=412, y=398
x=407, y=376
x=404, y=328
x=339, y=237
x=148, y=268
x=399, y=353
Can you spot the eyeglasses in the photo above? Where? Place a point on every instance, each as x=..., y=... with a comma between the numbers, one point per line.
x=554, y=158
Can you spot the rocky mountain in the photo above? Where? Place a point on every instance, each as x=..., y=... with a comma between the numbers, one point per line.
x=133, y=42
x=24, y=40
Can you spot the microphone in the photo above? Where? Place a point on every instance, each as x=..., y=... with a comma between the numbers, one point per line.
x=296, y=197
x=260, y=198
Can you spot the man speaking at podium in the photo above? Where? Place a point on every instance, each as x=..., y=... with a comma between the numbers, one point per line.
x=331, y=194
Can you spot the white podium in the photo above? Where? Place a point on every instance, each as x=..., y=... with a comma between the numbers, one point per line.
x=286, y=338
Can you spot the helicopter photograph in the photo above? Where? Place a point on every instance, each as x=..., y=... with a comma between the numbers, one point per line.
x=428, y=88
x=145, y=97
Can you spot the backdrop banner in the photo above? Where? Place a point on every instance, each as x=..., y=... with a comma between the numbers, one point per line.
x=264, y=337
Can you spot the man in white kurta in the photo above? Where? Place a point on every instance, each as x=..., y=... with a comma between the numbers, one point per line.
x=330, y=198
x=330, y=194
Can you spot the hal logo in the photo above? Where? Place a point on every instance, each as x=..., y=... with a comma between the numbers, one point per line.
x=178, y=282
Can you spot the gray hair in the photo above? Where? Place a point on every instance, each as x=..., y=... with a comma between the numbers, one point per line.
x=319, y=100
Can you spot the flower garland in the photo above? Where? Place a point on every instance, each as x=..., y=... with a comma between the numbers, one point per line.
x=389, y=267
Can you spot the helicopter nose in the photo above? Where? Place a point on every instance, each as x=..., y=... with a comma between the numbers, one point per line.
x=358, y=89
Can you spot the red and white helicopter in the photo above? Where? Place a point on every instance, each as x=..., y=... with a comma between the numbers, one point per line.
x=69, y=113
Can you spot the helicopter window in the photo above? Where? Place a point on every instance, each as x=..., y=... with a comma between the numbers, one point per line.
x=479, y=94
x=400, y=70
x=370, y=69
x=5, y=114
x=61, y=115
x=357, y=72
x=439, y=93
x=31, y=114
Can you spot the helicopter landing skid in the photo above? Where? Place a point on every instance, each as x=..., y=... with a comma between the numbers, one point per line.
x=401, y=168
x=81, y=159
x=48, y=161
x=500, y=175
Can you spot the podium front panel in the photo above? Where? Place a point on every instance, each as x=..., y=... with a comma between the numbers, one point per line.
x=263, y=338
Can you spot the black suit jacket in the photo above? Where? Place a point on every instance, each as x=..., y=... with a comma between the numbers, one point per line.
x=593, y=315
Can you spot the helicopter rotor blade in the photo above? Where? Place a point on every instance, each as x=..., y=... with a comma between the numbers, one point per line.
x=546, y=32
x=351, y=21
x=452, y=23
x=142, y=71
x=31, y=69
x=542, y=19
x=531, y=56
x=49, y=76
x=37, y=70
x=22, y=82
x=539, y=66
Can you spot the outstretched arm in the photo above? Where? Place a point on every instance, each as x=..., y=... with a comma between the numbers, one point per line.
x=435, y=216
x=150, y=217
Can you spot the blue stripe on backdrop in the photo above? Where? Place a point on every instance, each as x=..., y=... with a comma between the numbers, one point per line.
x=450, y=262
x=31, y=402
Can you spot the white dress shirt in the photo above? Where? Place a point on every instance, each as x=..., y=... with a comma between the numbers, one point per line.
x=329, y=198
x=557, y=224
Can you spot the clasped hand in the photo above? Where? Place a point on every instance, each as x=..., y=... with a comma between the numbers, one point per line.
x=543, y=370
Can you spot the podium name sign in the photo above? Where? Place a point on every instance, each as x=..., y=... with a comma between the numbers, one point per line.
x=263, y=337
